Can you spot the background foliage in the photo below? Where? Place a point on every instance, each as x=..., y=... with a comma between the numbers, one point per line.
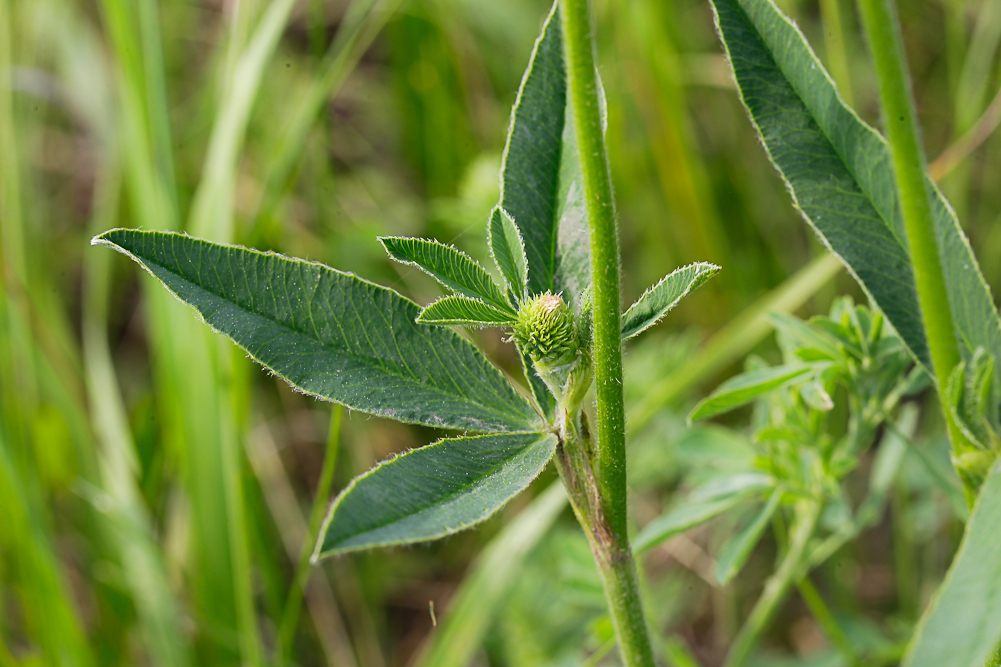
x=156, y=487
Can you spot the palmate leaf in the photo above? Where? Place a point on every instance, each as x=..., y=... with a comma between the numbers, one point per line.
x=841, y=176
x=962, y=626
x=434, y=491
x=331, y=334
x=452, y=268
x=460, y=310
x=540, y=179
x=508, y=250
x=658, y=301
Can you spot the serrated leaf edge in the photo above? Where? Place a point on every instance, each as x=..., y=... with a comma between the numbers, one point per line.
x=319, y=553
x=706, y=270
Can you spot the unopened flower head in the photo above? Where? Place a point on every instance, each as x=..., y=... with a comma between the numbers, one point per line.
x=546, y=330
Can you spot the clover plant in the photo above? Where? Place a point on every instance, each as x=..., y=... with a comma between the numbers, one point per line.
x=553, y=239
x=338, y=337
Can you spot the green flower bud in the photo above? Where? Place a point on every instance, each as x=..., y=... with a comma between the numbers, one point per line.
x=546, y=330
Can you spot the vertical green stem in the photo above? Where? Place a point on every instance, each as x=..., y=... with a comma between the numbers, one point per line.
x=585, y=104
x=883, y=32
x=610, y=539
x=293, y=604
x=825, y=619
x=777, y=586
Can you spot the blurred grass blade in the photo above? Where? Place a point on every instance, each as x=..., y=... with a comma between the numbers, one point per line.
x=129, y=524
x=658, y=301
x=846, y=188
x=433, y=491
x=962, y=626
x=745, y=388
x=363, y=21
x=736, y=552
x=50, y=616
x=298, y=538
x=451, y=267
x=685, y=516
x=212, y=208
x=332, y=335
x=462, y=627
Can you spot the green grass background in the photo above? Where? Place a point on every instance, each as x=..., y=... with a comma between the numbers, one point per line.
x=157, y=489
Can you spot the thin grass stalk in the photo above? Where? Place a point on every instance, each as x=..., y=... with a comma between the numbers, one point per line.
x=293, y=529
x=363, y=21
x=837, y=53
x=128, y=523
x=610, y=538
x=22, y=384
x=293, y=604
x=777, y=587
x=883, y=32
x=212, y=208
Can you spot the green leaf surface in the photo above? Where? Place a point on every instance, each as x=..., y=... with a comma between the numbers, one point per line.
x=460, y=310
x=433, y=491
x=962, y=626
x=683, y=517
x=744, y=388
x=805, y=335
x=508, y=250
x=658, y=301
x=452, y=268
x=840, y=173
x=540, y=180
x=331, y=334
x=738, y=549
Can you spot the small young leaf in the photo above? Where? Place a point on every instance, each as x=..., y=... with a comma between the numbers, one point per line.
x=739, y=548
x=452, y=268
x=681, y=518
x=332, y=335
x=728, y=485
x=657, y=301
x=433, y=491
x=744, y=388
x=463, y=311
x=806, y=335
x=508, y=250
x=840, y=173
x=962, y=626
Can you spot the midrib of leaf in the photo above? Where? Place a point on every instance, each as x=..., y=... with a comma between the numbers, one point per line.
x=375, y=360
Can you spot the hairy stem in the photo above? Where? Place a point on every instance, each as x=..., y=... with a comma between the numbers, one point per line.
x=777, y=587
x=609, y=536
x=604, y=239
x=883, y=32
x=615, y=561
